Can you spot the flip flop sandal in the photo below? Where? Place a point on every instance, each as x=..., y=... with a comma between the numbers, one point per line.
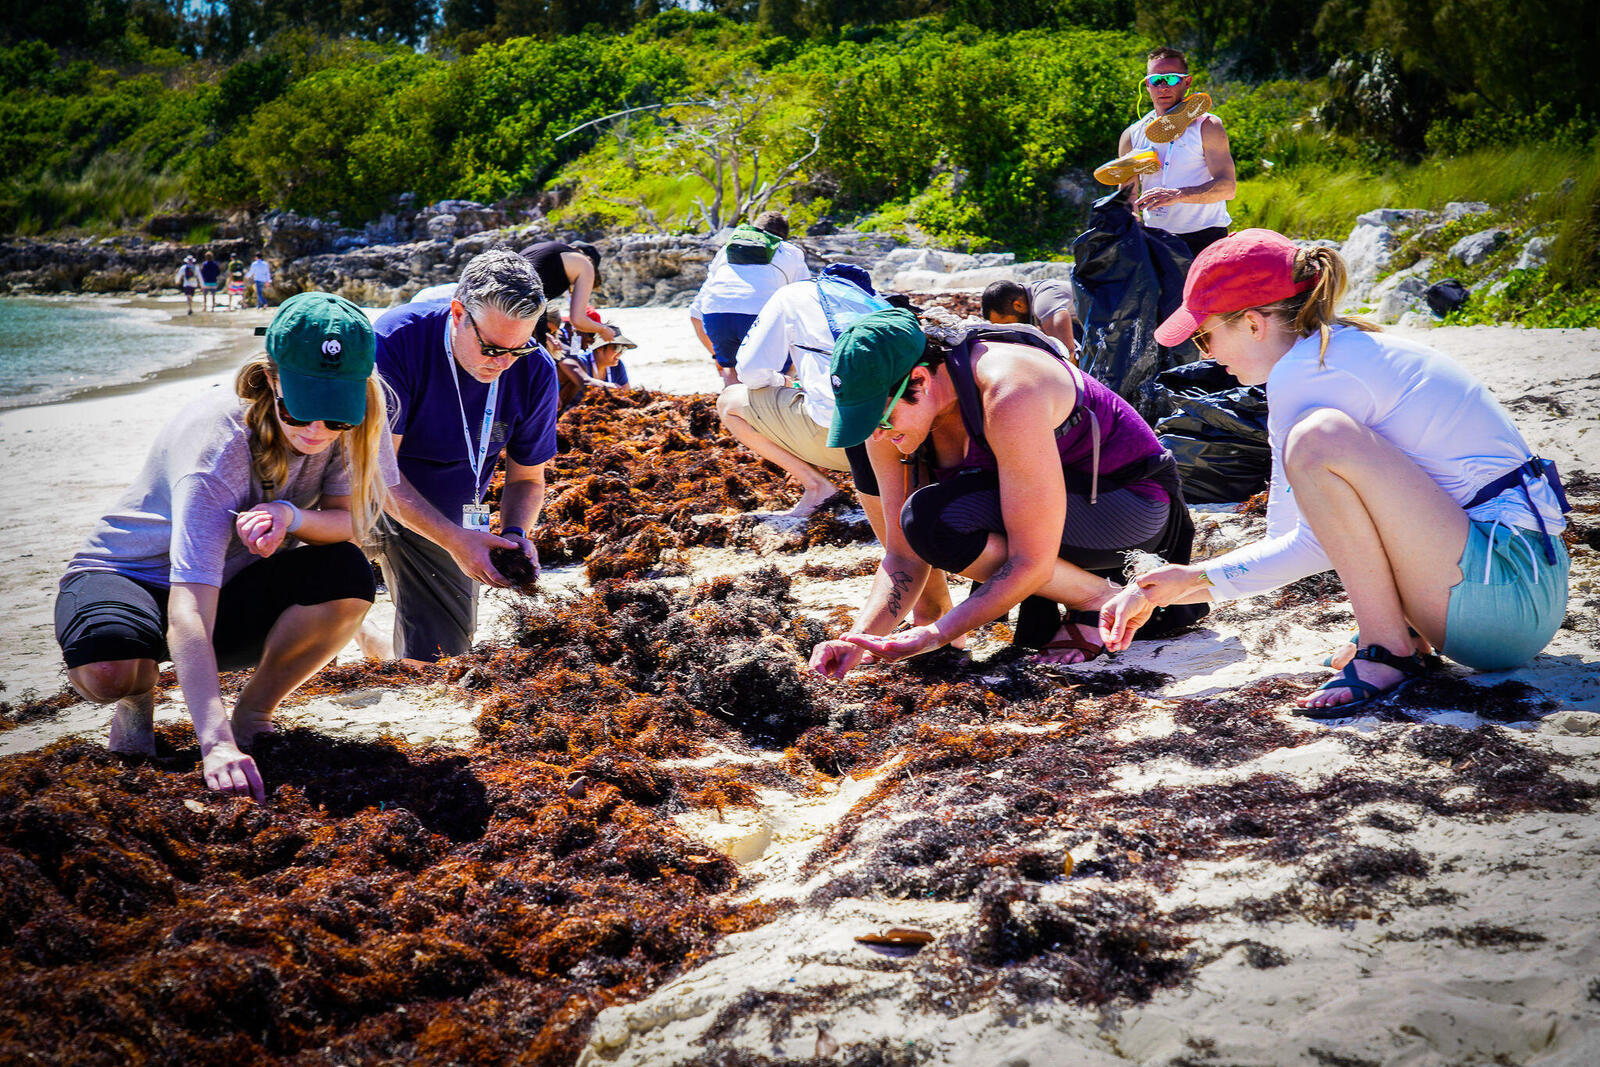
x=1165, y=129
x=1121, y=169
x=1091, y=650
x=1411, y=667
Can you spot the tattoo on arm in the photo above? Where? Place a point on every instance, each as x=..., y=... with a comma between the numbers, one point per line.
x=899, y=585
x=1002, y=571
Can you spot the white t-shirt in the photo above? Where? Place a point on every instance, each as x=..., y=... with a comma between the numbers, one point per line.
x=1419, y=400
x=259, y=272
x=791, y=326
x=745, y=288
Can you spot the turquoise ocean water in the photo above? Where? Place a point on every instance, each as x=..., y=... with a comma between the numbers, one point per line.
x=55, y=348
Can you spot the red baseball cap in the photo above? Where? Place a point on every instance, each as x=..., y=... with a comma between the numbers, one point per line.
x=1247, y=269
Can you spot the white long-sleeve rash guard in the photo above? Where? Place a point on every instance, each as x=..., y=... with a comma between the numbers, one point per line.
x=1417, y=399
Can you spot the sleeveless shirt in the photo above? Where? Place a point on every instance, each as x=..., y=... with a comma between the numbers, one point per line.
x=1183, y=164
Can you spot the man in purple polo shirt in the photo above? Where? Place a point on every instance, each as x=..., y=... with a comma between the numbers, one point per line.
x=468, y=383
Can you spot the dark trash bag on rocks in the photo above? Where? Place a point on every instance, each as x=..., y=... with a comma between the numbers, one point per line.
x=1217, y=433
x=1128, y=279
x=1445, y=296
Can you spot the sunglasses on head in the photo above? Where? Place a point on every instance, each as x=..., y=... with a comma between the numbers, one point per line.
x=499, y=351
x=883, y=423
x=1164, y=79
x=300, y=424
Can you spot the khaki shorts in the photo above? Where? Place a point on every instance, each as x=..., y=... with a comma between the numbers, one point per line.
x=778, y=413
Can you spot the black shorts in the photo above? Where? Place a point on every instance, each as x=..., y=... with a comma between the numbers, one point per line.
x=102, y=616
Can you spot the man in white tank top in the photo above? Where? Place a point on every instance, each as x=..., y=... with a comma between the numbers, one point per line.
x=1188, y=195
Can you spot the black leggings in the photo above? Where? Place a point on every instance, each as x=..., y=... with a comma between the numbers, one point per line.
x=948, y=523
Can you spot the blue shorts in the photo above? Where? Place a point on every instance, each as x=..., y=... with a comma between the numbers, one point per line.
x=726, y=330
x=1510, y=600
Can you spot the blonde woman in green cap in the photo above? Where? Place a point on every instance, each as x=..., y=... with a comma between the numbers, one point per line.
x=195, y=562
x=999, y=460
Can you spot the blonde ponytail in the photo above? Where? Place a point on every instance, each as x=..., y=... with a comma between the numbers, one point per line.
x=1317, y=309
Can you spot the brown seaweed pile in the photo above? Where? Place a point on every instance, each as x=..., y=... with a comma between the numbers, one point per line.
x=398, y=903
x=635, y=475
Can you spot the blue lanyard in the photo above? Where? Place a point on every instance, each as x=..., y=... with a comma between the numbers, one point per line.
x=466, y=430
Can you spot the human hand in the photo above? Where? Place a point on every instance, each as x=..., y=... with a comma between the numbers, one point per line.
x=834, y=659
x=471, y=553
x=1157, y=198
x=527, y=547
x=227, y=770
x=1165, y=585
x=604, y=334
x=1121, y=617
x=901, y=645
x=265, y=527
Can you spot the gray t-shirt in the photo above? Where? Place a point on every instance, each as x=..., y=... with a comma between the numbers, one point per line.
x=175, y=523
x=1048, y=297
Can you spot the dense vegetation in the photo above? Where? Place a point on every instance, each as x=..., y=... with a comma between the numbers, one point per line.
x=903, y=115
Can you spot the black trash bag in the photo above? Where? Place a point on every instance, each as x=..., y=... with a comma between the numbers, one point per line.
x=1127, y=279
x=1445, y=296
x=1217, y=433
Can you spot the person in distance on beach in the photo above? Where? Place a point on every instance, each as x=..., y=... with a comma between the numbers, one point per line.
x=1040, y=475
x=599, y=367
x=469, y=382
x=572, y=271
x=260, y=274
x=756, y=262
x=196, y=564
x=1046, y=305
x=1390, y=464
x=210, y=281
x=188, y=279
x=235, y=283
x=1194, y=178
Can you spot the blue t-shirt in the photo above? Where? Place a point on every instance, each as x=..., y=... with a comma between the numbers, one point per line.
x=433, y=453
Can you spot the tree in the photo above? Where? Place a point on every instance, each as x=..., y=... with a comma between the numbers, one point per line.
x=744, y=159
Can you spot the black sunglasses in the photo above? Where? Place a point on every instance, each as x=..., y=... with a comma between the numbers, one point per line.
x=300, y=424
x=499, y=351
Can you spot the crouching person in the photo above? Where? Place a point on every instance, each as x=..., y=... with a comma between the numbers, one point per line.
x=1035, y=480
x=236, y=545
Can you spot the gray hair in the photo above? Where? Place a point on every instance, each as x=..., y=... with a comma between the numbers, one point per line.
x=503, y=280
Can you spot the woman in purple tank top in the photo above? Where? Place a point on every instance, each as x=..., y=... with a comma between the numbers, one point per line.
x=1039, y=481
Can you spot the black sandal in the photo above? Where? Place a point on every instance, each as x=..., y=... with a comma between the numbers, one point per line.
x=1411, y=668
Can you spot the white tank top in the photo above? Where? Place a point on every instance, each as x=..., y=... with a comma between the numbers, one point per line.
x=1183, y=164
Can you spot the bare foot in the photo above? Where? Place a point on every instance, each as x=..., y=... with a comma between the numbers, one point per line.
x=373, y=642
x=133, y=725
x=812, y=499
x=248, y=725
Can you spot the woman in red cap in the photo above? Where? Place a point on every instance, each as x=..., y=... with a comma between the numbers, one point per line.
x=1390, y=463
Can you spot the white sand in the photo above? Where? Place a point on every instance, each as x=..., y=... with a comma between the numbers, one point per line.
x=1347, y=995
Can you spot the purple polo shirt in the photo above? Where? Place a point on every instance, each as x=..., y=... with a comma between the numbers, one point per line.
x=433, y=453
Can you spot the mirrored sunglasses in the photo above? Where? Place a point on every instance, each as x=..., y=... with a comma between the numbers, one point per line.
x=1164, y=79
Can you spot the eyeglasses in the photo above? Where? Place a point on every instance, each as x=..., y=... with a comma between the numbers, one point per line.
x=300, y=424
x=499, y=351
x=1202, y=342
x=1164, y=79
x=883, y=423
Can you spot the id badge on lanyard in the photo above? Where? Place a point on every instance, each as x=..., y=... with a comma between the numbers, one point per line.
x=474, y=516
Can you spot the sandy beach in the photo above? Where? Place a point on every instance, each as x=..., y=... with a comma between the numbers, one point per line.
x=1438, y=905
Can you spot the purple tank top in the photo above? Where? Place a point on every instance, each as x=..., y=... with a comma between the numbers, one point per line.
x=1124, y=437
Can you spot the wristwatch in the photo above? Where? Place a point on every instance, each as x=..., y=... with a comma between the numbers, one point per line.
x=511, y=531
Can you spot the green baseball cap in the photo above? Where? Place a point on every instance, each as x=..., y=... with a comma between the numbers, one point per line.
x=870, y=359
x=324, y=348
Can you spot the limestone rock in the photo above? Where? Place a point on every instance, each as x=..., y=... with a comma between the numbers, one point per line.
x=1460, y=209
x=1371, y=246
x=1535, y=254
x=1475, y=248
x=1406, y=296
